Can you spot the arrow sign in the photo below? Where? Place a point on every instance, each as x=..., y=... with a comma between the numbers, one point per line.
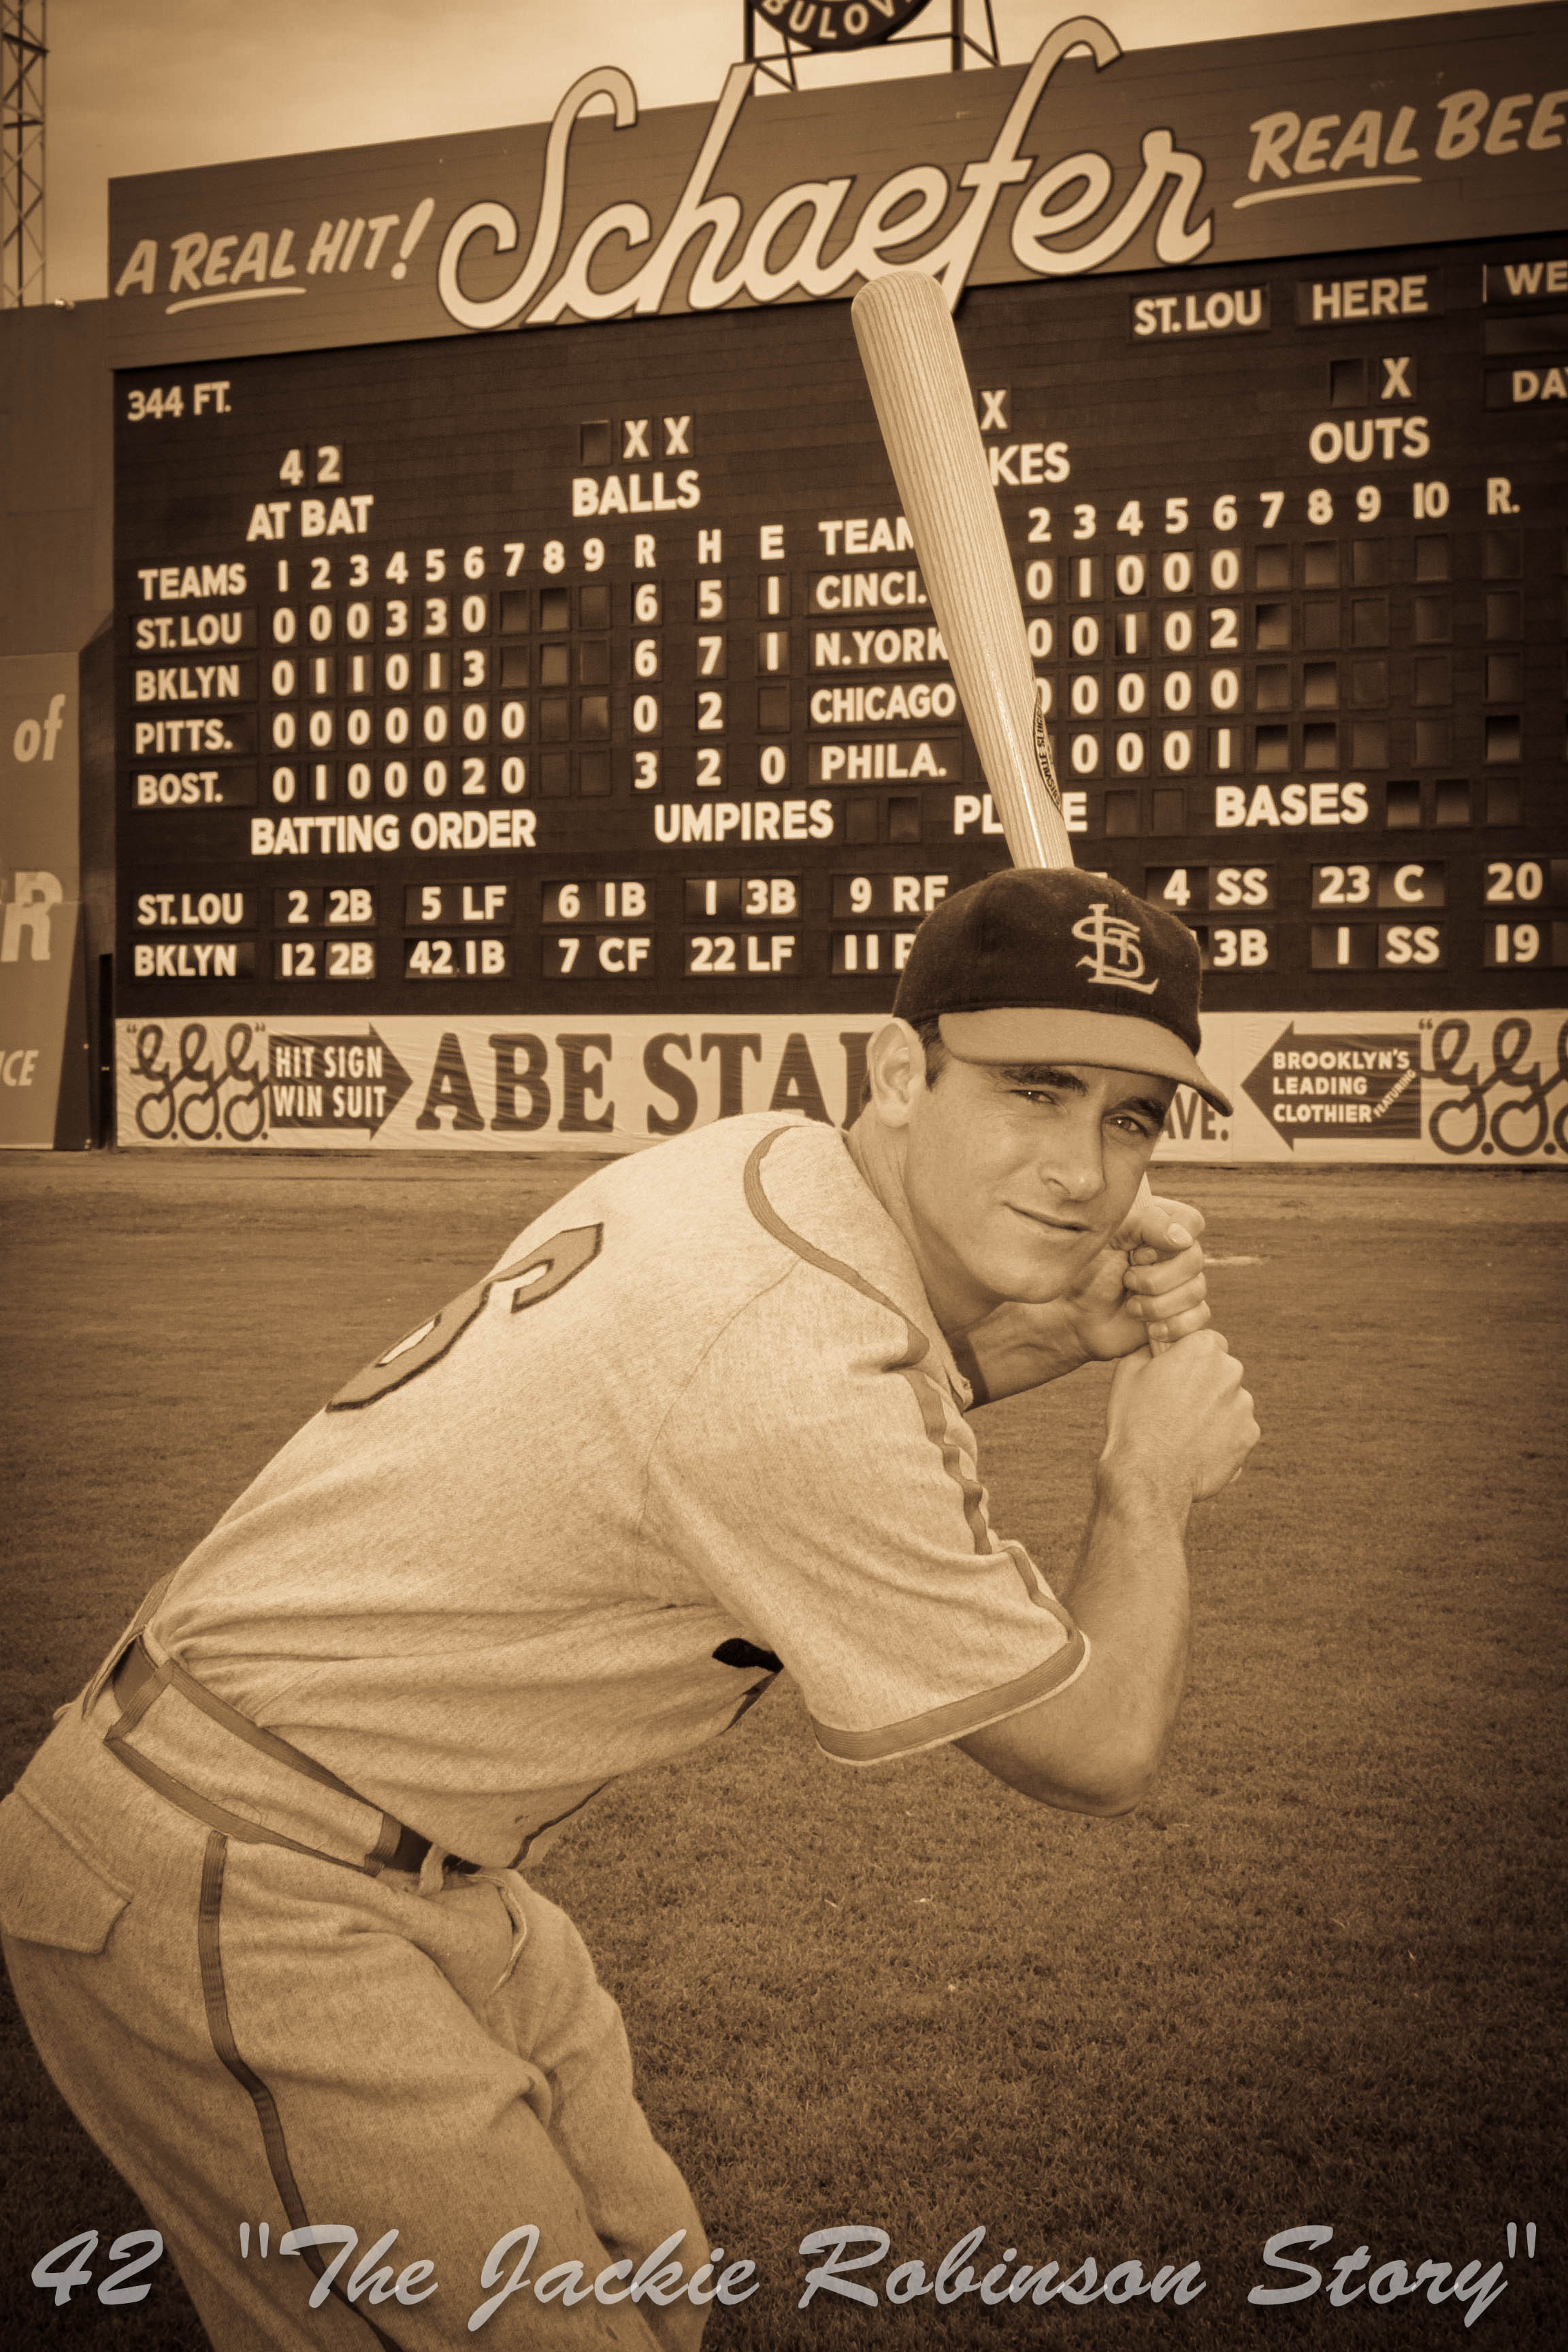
x=1338, y=1088
x=334, y=1083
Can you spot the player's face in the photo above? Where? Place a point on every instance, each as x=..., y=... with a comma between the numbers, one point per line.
x=1015, y=1177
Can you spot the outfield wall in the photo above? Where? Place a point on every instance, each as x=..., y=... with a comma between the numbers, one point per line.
x=503, y=622
x=1455, y=1088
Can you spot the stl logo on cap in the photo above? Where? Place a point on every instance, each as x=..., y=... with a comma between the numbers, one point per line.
x=1118, y=944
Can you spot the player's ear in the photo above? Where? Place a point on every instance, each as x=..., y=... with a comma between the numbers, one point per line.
x=895, y=1072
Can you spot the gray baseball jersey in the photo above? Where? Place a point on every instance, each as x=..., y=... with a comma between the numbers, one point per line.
x=698, y=1421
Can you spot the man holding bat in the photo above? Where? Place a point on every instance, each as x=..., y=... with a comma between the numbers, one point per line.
x=262, y=1889
x=261, y=1886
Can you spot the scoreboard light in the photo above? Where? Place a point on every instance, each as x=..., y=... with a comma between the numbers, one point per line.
x=1523, y=945
x=458, y=902
x=1345, y=947
x=1408, y=882
x=598, y=901
x=1382, y=946
x=438, y=958
x=1526, y=882
x=871, y=952
x=740, y=955
x=1409, y=946
x=1236, y=947
x=323, y=959
x=202, y=910
x=319, y=903
x=211, y=787
x=1183, y=888
x=574, y=955
x=732, y=897
x=198, y=961
x=907, y=895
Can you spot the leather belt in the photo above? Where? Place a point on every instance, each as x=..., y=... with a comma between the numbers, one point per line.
x=135, y=1682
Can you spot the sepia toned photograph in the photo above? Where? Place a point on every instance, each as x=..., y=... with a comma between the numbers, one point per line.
x=784, y=1066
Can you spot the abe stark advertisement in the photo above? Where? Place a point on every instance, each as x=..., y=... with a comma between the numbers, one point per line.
x=1455, y=1088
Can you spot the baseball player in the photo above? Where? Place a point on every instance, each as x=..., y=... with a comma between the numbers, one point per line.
x=263, y=1889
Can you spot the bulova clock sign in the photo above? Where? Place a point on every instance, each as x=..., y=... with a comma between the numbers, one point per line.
x=837, y=23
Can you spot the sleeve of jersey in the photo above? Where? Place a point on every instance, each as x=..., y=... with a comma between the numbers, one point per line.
x=826, y=1492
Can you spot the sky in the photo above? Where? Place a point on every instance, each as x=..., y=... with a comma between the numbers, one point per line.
x=162, y=84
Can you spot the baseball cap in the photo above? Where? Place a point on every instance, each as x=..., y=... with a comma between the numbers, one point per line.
x=1041, y=964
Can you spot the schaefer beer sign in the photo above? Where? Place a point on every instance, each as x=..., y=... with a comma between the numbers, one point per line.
x=1085, y=160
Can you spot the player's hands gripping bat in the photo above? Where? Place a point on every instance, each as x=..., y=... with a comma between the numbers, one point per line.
x=926, y=410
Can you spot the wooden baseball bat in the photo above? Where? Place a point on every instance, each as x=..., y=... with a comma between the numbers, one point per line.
x=926, y=411
x=908, y=348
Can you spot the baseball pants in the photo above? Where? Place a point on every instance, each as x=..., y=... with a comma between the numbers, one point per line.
x=255, y=2033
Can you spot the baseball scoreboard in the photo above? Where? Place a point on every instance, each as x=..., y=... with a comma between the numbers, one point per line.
x=544, y=683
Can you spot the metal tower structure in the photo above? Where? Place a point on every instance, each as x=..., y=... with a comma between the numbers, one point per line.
x=22, y=56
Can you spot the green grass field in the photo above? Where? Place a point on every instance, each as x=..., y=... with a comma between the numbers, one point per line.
x=1316, y=1979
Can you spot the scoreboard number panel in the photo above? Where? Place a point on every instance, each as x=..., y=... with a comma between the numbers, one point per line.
x=440, y=677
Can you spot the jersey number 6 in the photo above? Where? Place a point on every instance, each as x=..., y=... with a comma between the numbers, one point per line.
x=550, y=1266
